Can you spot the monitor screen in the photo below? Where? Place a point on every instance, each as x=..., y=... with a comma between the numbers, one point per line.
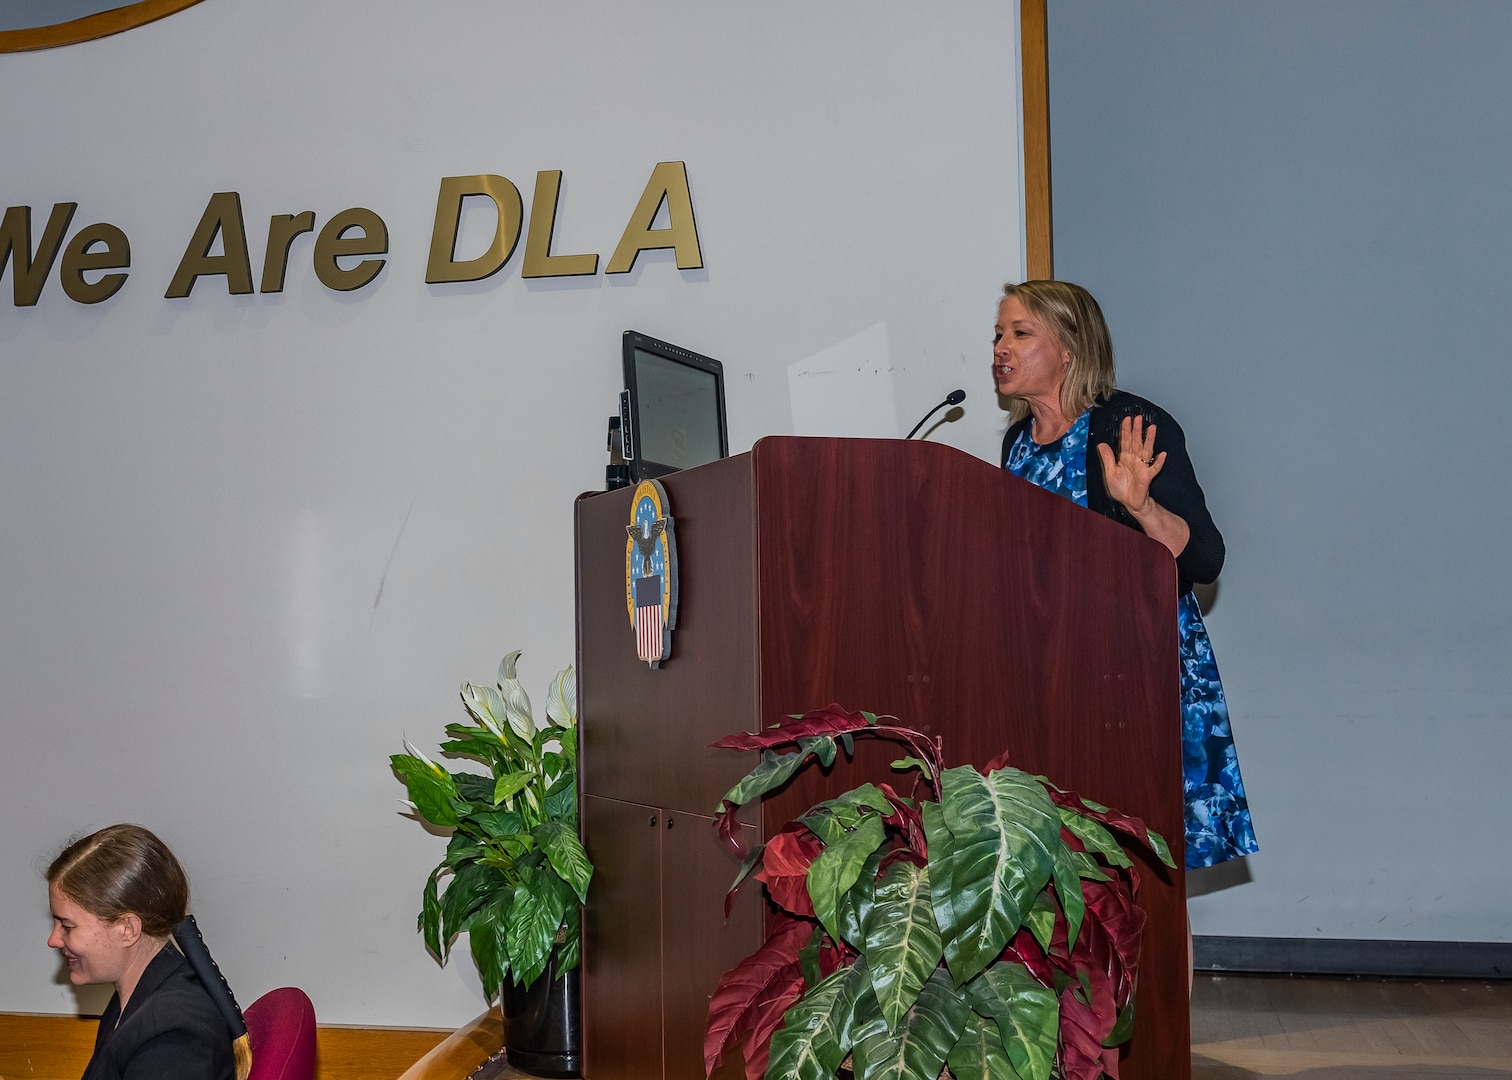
x=676, y=407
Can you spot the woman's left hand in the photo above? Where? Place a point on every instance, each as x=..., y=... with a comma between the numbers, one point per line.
x=1128, y=475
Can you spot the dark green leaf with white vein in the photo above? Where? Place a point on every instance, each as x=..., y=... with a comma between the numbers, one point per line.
x=1003, y=829
x=1026, y=1014
x=922, y=1040
x=901, y=939
x=838, y=867
x=816, y=1030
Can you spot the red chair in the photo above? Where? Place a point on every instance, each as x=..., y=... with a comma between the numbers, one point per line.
x=281, y=1027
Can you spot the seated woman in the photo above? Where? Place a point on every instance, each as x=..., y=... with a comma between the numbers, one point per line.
x=118, y=896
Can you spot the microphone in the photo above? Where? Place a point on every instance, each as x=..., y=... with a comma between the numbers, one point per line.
x=955, y=398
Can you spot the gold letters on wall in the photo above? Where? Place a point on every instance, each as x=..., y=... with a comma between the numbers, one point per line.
x=669, y=184
x=350, y=234
x=506, y=199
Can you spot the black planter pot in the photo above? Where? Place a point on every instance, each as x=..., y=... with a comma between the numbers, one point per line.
x=543, y=1026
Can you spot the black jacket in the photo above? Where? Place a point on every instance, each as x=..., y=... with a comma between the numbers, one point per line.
x=171, y=1029
x=1176, y=487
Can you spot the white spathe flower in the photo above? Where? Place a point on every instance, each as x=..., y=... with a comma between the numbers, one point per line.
x=561, y=700
x=515, y=701
x=476, y=698
x=414, y=751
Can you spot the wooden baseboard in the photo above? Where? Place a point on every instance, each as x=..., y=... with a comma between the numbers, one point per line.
x=37, y=1047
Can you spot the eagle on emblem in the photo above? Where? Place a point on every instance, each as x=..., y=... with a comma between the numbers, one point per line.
x=646, y=538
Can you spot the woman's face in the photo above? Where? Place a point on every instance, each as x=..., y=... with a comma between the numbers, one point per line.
x=93, y=948
x=1028, y=360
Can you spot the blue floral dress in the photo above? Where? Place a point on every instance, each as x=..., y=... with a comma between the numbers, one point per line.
x=1218, y=824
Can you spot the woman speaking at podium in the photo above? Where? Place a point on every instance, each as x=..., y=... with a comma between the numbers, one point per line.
x=1072, y=432
x=118, y=896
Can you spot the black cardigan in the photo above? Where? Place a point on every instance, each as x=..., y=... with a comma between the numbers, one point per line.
x=171, y=1029
x=1175, y=488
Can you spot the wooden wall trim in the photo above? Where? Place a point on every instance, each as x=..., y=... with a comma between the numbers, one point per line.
x=45, y=1047
x=462, y=1051
x=38, y=1047
x=1035, y=66
x=89, y=27
x=356, y=1053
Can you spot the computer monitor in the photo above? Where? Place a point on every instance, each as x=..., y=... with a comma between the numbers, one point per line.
x=672, y=413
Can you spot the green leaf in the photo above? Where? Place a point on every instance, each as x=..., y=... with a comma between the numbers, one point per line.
x=912, y=762
x=942, y=859
x=485, y=934
x=474, y=788
x=1040, y=919
x=773, y=771
x=1087, y=868
x=509, y=785
x=1068, y=890
x=1123, y=1027
x=470, y=885
x=496, y=824
x=855, y=906
x=481, y=748
x=922, y=1040
x=824, y=824
x=505, y=851
x=540, y=901
x=569, y=742
x=566, y=854
x=821, y=746
x=808, y=958
x=430, y=917
x=431, y=789
x=815, y=1033
x=561, y=804
x=570, y=952
x=1026, y=1013
x=979, y=1053
x=900, y=939
x=1003, y=828
x=1095, y=836
x=859, y=802
x=1161, y=848
x=461, y=849
x=837, y=867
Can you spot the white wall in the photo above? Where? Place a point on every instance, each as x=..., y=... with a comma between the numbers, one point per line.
x=248, y=542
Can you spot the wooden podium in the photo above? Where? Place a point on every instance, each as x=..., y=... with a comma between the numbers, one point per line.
x=904, y=578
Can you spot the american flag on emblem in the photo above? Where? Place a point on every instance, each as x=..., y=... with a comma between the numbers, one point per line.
x=648, y=618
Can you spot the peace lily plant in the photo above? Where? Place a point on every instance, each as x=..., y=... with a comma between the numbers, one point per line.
x=982, y=926
x=515, y=872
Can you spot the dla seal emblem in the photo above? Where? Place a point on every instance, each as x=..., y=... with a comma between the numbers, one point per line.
x=651, y=573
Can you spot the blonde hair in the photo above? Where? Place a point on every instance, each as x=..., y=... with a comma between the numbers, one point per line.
x=1073, y=316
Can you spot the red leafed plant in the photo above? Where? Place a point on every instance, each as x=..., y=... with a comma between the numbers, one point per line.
x=983, y=926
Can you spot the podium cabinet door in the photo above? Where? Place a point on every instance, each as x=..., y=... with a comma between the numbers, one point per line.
x=698, y=945
x=622, y=1007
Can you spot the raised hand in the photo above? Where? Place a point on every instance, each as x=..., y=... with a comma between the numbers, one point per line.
x=1128, y=473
